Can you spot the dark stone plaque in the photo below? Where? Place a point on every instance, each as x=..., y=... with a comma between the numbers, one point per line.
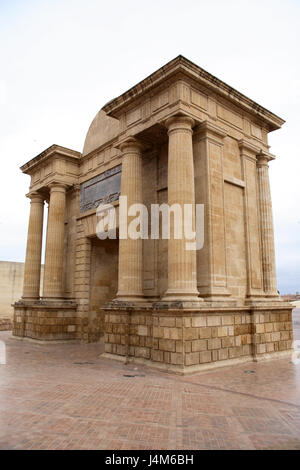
x=104, y=188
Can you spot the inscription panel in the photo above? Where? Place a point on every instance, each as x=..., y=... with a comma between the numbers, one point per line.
x=103, y=188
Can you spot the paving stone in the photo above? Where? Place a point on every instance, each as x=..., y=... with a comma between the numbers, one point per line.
x=67, y=396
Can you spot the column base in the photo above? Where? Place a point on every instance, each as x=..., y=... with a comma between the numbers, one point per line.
x=53, y=298
x=215, y=294
x=175, y=295
x=131, y=298
x=30, y=299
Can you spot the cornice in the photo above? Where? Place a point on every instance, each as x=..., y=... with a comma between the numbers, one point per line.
x=183, y=66
x=54, y=150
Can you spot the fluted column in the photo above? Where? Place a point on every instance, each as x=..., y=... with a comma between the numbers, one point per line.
x=130, y=287
x=32, y=271
x=182, y=276
x=54, y=258
x=266, y=224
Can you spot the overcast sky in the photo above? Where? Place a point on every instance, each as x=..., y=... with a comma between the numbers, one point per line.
x=62, y=60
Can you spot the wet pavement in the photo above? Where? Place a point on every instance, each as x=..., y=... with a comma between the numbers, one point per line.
x=66, y=396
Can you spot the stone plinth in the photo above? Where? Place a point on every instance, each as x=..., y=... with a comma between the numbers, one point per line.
x=46, y=321
x=185, y=341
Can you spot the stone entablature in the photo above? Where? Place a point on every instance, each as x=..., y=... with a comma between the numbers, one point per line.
x=98, y=161
x=181, y=136
x=183, y=86
x=56, y=164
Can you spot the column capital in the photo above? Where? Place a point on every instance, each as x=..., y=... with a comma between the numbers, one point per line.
x=36, y=197
x=58, y=187
x=179, y=122
x=263, y=158
x=76, y=187
x=131, y=145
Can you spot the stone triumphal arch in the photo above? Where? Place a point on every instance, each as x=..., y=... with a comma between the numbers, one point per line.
x=179, y=136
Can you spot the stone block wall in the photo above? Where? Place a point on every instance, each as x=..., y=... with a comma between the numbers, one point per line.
x=185, y=340
x=103, y=283
x=5, y=324
x=44, y=323
x=95, y=281
x=272, y=331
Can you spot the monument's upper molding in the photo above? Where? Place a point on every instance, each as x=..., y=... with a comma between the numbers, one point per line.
x=50, y=152
x=183, y=66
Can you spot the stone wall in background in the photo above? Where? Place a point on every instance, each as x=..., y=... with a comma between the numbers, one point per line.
x=11, y=286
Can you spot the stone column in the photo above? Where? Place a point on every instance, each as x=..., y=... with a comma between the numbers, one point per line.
x=32, y=272
x=130, y=287
x=209, y=180
x=53, y=271
x=266, y=226
x=255, y=288
x=182, y=276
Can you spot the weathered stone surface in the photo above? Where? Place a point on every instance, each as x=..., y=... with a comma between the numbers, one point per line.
x=193, y=346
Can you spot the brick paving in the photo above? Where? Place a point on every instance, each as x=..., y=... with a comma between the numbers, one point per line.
x=68, y=397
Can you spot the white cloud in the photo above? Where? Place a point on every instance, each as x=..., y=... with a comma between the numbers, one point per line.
x=61, y=60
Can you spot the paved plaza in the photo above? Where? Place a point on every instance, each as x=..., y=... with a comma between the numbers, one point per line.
x=65, y=396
